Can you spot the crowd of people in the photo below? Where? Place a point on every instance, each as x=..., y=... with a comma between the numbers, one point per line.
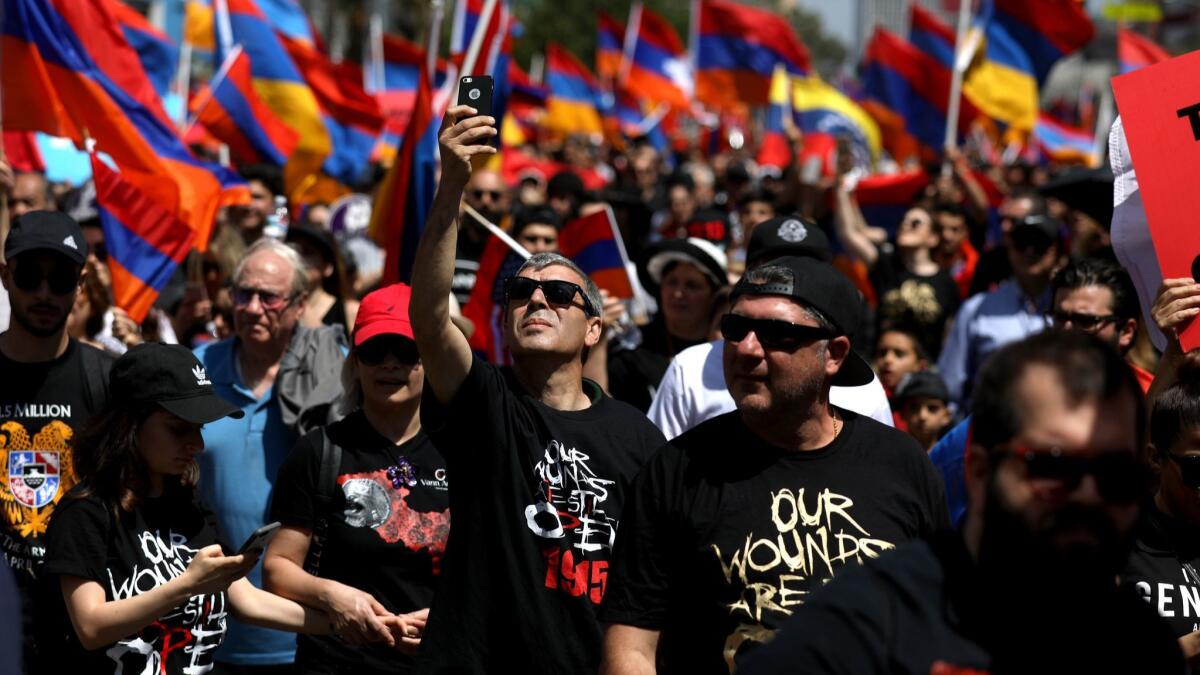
x=813, y=441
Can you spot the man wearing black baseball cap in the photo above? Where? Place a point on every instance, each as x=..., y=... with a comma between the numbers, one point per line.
x=51, y=384
x=732, y=524
x=693, y=388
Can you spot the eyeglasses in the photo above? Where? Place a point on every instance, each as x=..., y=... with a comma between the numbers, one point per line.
x=376, y=350
x=62, y=278
x=271, y=301
x=1189, y=468
x=771, y=333
x=495, y=195
x=1121, y=477
x=560, y=293
x=1085, y=322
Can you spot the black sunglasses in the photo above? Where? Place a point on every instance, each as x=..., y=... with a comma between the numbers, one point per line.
x=1121, y=477
x=376, y=350
x=1087, y=322
x=496, y=195
x=1189, y=468
x=772, y=333
x=62, y=278
x=561, y=293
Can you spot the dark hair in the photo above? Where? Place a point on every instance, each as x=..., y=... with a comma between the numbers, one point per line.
x=1087, y=368
x=1177, y=409
x=681, y=179
x=107, y=459
x=757, y=195
x=266, y=174
x=713, y=286
x=908, y=330
x=541, y=215
x=566, y=183
x=949, y=208
x=1103, y=273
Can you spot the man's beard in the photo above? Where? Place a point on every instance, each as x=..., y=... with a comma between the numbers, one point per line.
x=1047, y=556
x=21, y=317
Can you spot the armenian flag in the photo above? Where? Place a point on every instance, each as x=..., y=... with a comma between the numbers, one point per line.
x=397, y=92
x=884, y=198
x=158, y=54
x=406, y=195
x=610, y=38
x=1046, y=30
x=145, y=242
x=485, y=306
x=232, y=112
x=46, y=60
x=288, y=17
x=929, y=34
x=1135, y=51
x=659, y=70
x=594, y=243
x=573, y=102
x=1063, y=143
x=737, y=50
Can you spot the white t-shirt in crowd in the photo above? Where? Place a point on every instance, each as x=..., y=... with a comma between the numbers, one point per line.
x=693, y=390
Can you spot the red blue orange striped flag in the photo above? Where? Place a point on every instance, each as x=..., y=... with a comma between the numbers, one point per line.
x=737, y=52
x=594, y=243
x=233, y=113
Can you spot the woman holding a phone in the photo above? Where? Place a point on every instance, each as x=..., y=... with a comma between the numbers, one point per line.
x=134, y=578
x=365, y=506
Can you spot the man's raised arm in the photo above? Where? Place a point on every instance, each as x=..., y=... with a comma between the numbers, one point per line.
x=444, y=350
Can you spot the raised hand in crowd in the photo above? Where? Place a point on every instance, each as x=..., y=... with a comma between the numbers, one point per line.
x=1175, y=307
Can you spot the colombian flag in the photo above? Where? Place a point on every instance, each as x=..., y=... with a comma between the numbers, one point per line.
x=659, y=70
x=1046, y=30
x=145, y=242
x=737, y=52
x=232, y=112
x=574, y=97
x=1135, y=51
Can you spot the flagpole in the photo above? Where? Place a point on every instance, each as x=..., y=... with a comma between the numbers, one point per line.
x=629, y=45
x=469, y=62
x=218, y=78
x=1104, y=120
x=537, y=68
x=373, y=74
x=434, y=39
x=183, y=81
x=494, y=229
x=956, y=78
x=224, y=25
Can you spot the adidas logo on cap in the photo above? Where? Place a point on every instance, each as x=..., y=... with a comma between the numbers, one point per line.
x=69, y=241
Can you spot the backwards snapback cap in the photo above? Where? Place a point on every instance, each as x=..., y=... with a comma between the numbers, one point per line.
x=822, y=287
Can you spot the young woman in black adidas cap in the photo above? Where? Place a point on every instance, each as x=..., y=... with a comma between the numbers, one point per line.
x=135, y=579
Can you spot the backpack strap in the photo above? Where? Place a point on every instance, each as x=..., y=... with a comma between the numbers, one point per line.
x=95, y=376
x=327, y=471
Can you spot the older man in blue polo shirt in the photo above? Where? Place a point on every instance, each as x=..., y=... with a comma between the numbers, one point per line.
x=273, y=369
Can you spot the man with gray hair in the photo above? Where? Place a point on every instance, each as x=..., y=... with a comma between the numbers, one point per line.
x=276, y=372
x=731, y=525
x=540, y=456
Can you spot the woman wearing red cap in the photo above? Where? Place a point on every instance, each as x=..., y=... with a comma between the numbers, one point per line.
x=135, y=580
x=364, y=504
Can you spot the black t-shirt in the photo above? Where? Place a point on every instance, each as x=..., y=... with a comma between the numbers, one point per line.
x=383, y=540
x=634, y=374
x=128, y=556
x=42, y=407
x=726, y=536
x=926, y=608
x=925, y=302
x=1164, y=569
x=536, y=499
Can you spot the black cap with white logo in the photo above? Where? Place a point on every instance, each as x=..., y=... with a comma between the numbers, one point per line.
x=787, y=235
x=48, y=231
x=171, y=377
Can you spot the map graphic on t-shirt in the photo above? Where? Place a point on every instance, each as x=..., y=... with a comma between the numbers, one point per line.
x=183, y=640
x=372, y=502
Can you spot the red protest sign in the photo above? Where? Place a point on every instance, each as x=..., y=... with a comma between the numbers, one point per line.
x=1160, y=108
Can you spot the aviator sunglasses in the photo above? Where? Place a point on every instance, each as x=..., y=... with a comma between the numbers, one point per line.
x=560, y=293
x=771, y=333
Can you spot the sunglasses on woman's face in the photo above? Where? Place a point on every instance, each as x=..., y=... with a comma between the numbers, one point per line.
x=771, y=333
x=558, y=293
x=376, y=350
